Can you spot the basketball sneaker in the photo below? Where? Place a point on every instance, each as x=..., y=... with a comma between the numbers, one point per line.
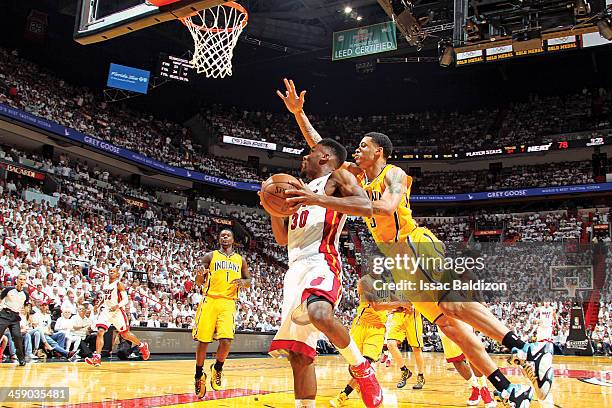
x=339, y=401
x=487, y=398
x=200, y=386
x=94, y=360
x=371, y=393
x=420, y=382
x=215, y=378
x=474, y=397
x=406, y=374
x=144, y=350
x=515, y=396
x=535, y=359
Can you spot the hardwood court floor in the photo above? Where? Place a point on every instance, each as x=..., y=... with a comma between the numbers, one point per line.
x=266, y=382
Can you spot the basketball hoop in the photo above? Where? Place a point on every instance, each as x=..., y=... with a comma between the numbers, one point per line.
x=215, y=32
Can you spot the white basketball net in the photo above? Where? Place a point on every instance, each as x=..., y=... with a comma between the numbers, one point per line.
x=215, y=32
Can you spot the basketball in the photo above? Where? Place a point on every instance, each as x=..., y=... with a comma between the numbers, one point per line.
x=273, y=196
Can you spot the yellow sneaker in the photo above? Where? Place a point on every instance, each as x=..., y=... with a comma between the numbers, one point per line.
x=339, y=401
x=215, y=378
x=200, y=386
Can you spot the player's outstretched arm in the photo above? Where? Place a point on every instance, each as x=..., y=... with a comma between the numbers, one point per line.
x=397, y=183
x=295, y=105
x=347, y=198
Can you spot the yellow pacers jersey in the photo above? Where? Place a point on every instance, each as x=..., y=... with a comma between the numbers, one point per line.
x=223, y=270
x=366, y=315
x=388, y=228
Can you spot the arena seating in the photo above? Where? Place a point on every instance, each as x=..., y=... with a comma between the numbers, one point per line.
x=25, y=86
x=67, y=250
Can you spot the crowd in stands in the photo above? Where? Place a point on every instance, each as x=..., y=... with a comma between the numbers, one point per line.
x=66, y=250
x=25, y=86
x=541, y=175
x=539, y=120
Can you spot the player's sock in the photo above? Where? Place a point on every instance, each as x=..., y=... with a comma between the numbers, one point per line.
x=351, y=354
x=499, y=381
x=474, y=381
x=305, y=403
x=511, y=340
x=199, y=372
x=219, y=365
x=483, y=381
x=404, y=368
x=347, y=390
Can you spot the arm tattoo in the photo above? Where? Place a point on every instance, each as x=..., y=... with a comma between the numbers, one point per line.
x=377, y=211
x=396, y=182
x=313, y=133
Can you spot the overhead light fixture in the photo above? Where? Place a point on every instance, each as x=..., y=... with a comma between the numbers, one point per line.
x=446, y=53
x=359, y=18
x=348, y=10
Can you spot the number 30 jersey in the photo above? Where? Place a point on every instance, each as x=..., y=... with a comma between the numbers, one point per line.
x=315, y=230
x=388, y=228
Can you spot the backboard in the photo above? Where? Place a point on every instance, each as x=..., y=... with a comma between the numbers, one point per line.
x=100, y=20
x=571, y=278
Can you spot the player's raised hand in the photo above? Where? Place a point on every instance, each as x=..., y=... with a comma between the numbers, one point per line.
x=293, y=101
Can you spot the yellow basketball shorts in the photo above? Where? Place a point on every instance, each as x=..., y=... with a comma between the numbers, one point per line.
x=452, y=352
x=407, y=326
x=214, y=320
x=422, y=245
x=369, y=340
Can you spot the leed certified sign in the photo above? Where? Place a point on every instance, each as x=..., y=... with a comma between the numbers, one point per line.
x=359, y=42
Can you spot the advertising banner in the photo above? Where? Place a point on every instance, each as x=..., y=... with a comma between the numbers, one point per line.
x=128, y=78
x=362, y=41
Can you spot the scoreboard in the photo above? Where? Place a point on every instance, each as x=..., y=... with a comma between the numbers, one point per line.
x=175, y=68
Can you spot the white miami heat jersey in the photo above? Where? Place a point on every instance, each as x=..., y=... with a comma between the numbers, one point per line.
x=546, y=316
x=112, y=297
x=315, y=230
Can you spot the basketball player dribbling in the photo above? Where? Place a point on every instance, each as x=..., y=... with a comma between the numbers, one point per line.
x=389, y=188
x=312, y=285
x=112, y=313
